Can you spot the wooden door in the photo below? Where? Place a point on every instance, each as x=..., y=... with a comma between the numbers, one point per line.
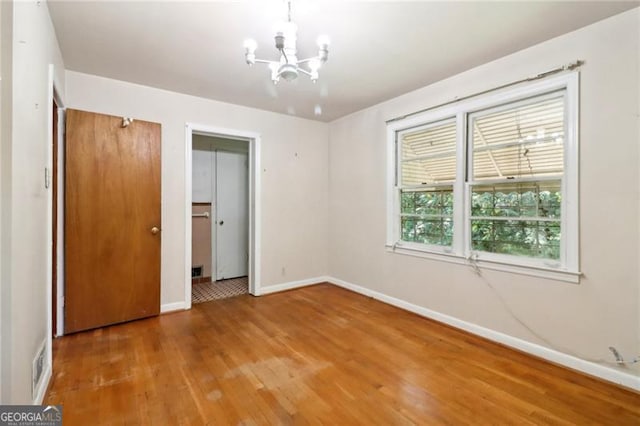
x=112, y=220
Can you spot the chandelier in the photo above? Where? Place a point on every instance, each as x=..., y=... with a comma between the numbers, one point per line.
x=289, y=67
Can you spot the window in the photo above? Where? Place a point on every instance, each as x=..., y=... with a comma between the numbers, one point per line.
x=427, y=170
x=516, y=167
x=493, y=178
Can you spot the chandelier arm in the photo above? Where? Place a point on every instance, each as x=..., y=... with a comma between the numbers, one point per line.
x=304, y=61
x=264, y=61
x=303, y=71
x=285, y=56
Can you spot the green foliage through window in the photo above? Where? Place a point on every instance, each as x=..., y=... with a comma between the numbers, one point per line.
x=427, y=216
x=521, y=234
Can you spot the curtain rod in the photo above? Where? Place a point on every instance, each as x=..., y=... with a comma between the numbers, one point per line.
x=569, y=67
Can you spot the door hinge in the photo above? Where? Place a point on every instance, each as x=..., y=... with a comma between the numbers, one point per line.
x=47, y=180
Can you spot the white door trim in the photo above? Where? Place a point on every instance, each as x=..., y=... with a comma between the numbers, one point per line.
x=60, y=228
x=254, y=200
x=54, y=94
x=214, y=215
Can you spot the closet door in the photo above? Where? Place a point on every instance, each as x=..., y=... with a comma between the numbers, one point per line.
x=232, y=204
x=112, y=220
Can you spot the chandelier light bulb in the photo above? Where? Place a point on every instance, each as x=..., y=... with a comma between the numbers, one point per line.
x=250, y=45
x=275, y=77
x=323, y=48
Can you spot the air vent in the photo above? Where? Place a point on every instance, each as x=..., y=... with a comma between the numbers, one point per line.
x=196, y=272
x=37, y=369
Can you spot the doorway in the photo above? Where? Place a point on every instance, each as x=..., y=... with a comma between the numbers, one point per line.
x=220, y=218
x=222, y=211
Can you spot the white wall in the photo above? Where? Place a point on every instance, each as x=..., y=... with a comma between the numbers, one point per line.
x=6, y=30
x=294, y=174
x=584, y=319
x=202, y=160
x=25, y=154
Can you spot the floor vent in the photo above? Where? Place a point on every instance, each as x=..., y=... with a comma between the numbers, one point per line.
x=196, y=272
x=37, y=369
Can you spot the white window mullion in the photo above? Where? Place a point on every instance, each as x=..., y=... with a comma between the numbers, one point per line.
x=518, y=218
x=468, y=185
x=467, y=220
x=516, y=180
x=459, y=204
x=397, y=231
x=570, y=188
x=424, y=216
x=393, y=193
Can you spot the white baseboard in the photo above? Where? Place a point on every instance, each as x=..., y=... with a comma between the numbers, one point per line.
x=275, y=288
x=43, y=385
x=170, y=307
x=606, y=373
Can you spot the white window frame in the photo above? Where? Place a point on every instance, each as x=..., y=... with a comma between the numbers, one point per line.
x=567, y=268
x=399, y=177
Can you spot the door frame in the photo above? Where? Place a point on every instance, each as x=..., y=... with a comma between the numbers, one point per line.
x=60, y=232
x=255, y=203
x=55, y=95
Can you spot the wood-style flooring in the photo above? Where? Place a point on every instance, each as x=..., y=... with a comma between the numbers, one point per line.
x=315, y=355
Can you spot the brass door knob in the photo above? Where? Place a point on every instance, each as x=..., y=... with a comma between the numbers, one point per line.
x=155, y=230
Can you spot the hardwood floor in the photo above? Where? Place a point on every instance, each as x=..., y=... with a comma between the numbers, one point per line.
x=319, y=354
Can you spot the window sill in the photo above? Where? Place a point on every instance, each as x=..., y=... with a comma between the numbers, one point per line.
x=495, y=265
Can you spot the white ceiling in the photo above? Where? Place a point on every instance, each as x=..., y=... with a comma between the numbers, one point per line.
x=378, y=49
